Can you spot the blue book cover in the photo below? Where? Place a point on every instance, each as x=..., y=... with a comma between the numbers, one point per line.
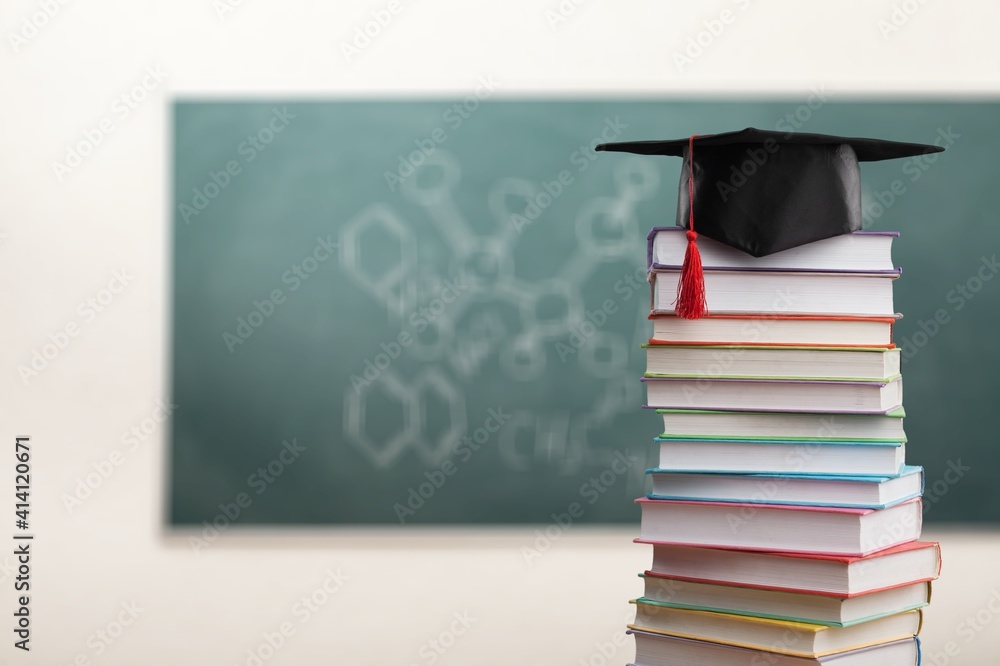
x=772, y=488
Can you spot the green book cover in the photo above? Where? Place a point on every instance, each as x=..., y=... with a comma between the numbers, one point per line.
x=769, y=616
x=898, y=413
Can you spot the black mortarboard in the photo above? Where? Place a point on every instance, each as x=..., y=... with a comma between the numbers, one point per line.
x=763, y=192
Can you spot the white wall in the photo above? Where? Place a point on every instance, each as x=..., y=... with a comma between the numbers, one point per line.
x=61, y=241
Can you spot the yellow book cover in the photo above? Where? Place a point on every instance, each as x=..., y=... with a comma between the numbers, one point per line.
x=798, y=639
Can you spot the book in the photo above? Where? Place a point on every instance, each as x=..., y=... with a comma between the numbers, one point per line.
x=868, y=251
x=865, y=251
x=866, y=492
x=787, y=362
x=741, y=292
x=781, y=636
x=833, y=575
x=707, y=424
x=660, y=650
x=773, y=329
x=779, y=527
x=774, y=395
x=785, y=457
x=794, y=606
x=783, y=517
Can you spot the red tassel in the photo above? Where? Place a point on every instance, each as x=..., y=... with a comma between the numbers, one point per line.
x=691, y=303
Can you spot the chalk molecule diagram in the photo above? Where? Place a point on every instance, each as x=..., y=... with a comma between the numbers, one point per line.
x=452, y=356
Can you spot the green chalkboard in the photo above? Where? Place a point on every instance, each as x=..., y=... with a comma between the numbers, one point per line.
x=430, y=311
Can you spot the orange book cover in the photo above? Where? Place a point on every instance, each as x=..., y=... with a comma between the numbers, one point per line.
x=778, y=317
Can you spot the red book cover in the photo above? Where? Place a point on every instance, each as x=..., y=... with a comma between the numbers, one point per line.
x=769, y=316
x=846, y=560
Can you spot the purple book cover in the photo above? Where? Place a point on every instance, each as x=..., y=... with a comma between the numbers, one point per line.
x=778, y=411
x=753, y=656
x=650, y=265
x=762, y=380
x=771, y=381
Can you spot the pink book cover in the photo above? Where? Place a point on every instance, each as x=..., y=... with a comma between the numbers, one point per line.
x=846, y=559
x=769, y=507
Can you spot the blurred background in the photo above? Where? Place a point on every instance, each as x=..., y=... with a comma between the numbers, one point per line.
x=307, y=309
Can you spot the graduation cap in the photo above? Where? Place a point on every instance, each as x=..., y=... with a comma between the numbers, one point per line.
x=763, y=192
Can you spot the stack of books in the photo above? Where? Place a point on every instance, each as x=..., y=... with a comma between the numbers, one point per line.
x=784, y=520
